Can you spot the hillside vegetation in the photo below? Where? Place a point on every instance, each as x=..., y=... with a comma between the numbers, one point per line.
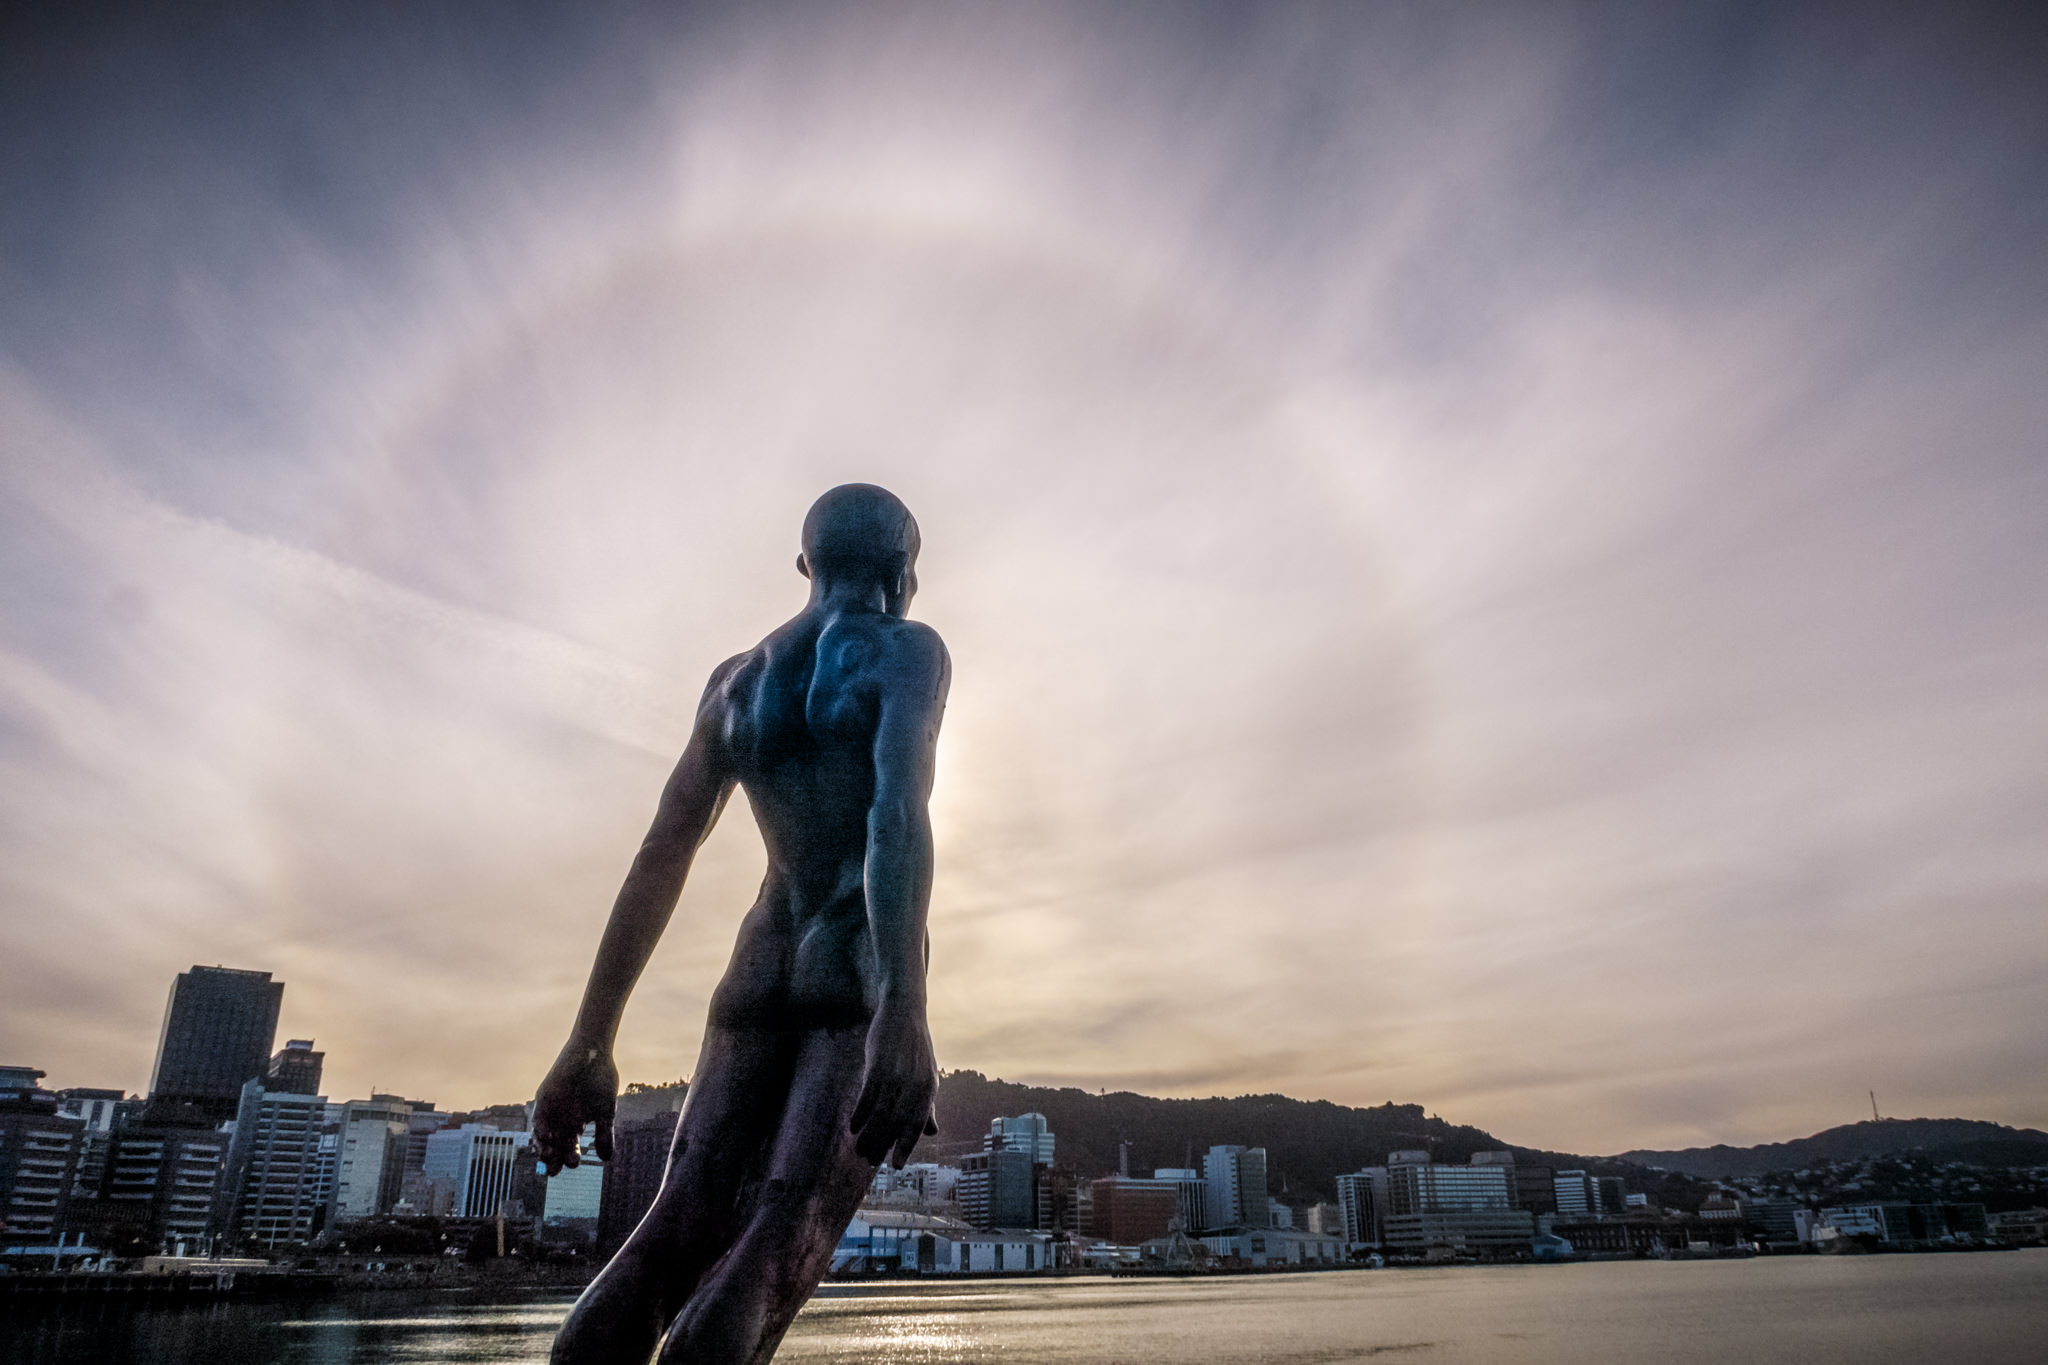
x=1308, y=1143
x=1940, y=1140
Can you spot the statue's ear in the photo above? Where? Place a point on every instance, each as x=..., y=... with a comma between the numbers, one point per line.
x=802, y=567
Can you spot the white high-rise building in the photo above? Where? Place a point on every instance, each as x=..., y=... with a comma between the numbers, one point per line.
x=372, y=1137
x=1237, y=1187
x=1026, y=1133
x=476, y=1165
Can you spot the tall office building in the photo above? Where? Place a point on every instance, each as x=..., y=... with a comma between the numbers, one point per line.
x=373, y=1138
x=219, y=1026
x=1237, y=1187
x=162, y=1183
x=1460, y=1208
x=1009, y=1182
x=998, y=1189
x=640, y=1146
x=1362, y=1201
x=1026, y=1133
x=280, y=1170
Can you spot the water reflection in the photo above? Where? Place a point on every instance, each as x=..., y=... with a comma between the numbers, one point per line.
x=1896, y=1310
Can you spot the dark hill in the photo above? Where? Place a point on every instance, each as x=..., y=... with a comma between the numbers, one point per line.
x=1308, y=1143
x=1979, y=1143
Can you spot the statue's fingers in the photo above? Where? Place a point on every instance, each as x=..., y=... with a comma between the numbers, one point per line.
x=931, y=1125
x=877, y=1135
x=901, y=1156
x=602, y=1143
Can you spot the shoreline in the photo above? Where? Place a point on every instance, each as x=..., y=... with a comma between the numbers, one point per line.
x=50, y=1290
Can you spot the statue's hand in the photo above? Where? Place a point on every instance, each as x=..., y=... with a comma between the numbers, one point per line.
x=895, y=1107
x=582, y=1087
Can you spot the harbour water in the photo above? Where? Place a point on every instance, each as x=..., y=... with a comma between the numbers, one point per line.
x=1989, y=1309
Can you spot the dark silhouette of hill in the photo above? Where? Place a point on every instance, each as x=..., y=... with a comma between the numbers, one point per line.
x=1308, y=1143
x=1970, y=1140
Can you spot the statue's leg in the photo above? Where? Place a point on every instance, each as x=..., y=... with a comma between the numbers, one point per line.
x=816, y=1181
x=728, y=1124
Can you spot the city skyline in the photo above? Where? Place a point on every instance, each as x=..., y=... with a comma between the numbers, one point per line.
x=225, y=1046
x=1492, y=558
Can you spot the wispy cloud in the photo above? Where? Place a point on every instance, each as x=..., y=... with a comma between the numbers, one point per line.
x=1492, y=558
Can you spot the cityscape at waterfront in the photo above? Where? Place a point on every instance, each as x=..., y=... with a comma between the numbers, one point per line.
x=236, y=1165
x=1406, y=721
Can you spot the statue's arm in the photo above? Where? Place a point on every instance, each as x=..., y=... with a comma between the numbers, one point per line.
x=895, y=1106
x=582, y=1086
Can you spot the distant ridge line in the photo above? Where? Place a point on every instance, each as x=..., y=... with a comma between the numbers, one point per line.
x=1973, y=1140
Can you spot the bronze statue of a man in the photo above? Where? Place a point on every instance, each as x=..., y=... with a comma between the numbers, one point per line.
x=817, y=1061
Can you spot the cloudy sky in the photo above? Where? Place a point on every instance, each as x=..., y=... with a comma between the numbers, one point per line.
x=1493, y=558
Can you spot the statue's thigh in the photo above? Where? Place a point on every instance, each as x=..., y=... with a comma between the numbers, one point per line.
x=731, y=1118
x=814, y=1142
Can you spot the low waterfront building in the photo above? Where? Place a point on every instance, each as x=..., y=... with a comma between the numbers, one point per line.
x=1906, y=1225
x=1642, y=1235
x=886, y=1239
x=2023, y=1227
x=879, y=1240
x=1267, y=1248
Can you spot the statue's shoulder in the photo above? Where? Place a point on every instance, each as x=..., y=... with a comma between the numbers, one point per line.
x=913, y=650
x=729, y=678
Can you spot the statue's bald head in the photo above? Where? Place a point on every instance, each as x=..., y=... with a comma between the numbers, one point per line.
x=859, y=531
